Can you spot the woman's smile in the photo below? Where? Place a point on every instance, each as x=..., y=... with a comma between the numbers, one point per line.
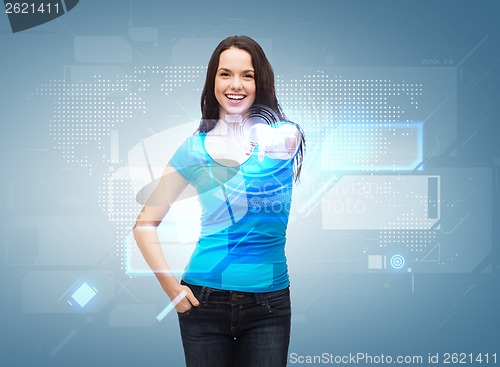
x=235, y=97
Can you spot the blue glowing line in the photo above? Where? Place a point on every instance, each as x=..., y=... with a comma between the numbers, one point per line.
x=171, y=306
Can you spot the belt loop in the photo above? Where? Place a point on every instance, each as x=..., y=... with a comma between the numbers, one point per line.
x=205, y=291
x=259, y=298
x=201, y=297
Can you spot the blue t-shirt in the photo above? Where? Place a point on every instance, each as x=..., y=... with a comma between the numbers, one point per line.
x=244, y=218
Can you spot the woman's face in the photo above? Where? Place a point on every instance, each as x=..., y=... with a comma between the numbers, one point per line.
x=234, y=82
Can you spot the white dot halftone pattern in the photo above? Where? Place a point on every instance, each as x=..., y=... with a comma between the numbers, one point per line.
x=329, y=106
x=87, y=112
x=117, y=200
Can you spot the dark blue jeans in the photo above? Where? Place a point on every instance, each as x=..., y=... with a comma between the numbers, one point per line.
x=236, y=329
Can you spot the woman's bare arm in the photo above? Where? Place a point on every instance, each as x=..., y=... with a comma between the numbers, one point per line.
x=145, y=232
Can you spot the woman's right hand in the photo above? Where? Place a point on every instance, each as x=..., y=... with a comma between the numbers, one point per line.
x=280, y=142
x=184, y=299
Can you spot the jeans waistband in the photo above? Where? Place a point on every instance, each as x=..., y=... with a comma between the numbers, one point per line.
x=214, y=295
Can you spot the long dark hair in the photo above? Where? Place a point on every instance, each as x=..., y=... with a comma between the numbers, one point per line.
x=265, y=93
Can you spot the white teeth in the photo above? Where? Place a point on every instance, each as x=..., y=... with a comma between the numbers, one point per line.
x=235, y=96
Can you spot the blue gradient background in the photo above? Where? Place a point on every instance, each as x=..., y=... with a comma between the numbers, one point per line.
x=390, y=313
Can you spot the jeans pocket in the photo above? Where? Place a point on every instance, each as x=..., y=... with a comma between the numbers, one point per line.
x=187, y=312
x=279, y=302
x=198, y=292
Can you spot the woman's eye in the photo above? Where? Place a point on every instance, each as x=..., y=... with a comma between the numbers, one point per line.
x=224, y=74
x=248, y=76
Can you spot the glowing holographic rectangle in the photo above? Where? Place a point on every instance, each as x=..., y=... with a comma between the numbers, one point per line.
x=84, y=294
x=433, y=197
x=375, y=262
x=377, y=202
x=373, y=147
x=178, y=254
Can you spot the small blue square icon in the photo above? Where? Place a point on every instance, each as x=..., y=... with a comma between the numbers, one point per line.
x=84, y=294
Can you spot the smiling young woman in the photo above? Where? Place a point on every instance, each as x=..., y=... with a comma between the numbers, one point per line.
x=236, y=310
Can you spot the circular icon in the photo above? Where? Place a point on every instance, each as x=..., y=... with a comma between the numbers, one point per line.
x=397, y=261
